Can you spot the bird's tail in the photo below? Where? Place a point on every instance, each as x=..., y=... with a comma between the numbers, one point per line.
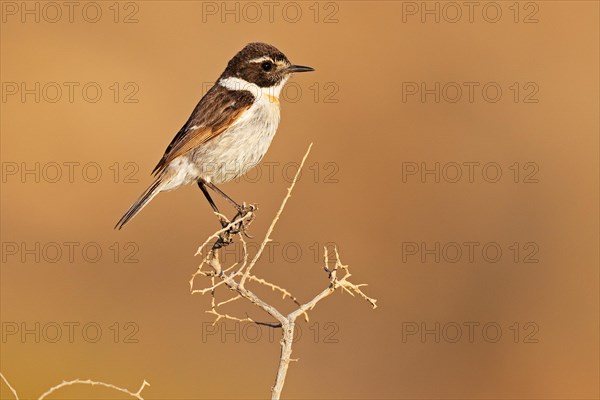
x=140, y=203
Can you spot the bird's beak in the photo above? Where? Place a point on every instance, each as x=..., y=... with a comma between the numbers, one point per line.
x=299, y=68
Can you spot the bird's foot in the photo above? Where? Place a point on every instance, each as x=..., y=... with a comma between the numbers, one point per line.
x=240, y=225
x=244, y=222
x=224, y=221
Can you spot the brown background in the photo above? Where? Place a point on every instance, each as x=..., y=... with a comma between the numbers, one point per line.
x=172, y=55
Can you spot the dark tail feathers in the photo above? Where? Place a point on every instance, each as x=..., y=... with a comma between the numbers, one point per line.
x=148, y=195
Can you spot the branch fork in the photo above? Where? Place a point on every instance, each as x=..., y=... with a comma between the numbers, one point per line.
x=237, y=276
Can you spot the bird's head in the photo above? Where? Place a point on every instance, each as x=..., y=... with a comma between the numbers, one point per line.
x=263, y=65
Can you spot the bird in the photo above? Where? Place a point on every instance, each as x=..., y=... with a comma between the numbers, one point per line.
x=229, y=130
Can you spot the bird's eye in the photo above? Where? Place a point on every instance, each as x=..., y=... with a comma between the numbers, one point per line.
x=266, y=66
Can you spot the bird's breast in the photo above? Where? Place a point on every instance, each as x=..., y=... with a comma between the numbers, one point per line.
x=241, y=146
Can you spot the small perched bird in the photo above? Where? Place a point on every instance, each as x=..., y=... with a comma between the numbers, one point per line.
x=230, y=129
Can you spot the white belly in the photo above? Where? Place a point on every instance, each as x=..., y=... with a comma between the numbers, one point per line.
x=232, y=153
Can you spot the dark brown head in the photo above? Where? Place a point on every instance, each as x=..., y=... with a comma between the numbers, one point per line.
x=261, y=64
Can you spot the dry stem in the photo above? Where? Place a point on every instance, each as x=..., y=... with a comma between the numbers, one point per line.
x=236, y=281
x=89, y=382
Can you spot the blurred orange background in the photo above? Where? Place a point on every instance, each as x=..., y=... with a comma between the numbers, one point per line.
x=454, y=165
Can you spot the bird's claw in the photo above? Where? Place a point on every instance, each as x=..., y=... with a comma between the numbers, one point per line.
x=238, y=226
x=224, y=222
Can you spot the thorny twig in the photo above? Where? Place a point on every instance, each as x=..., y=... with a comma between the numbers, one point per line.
x=236, y=281
x=89, y=382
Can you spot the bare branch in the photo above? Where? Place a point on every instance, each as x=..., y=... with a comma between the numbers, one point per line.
x=228, y=300
x=236, y=281
x=227, y=316
x=137, y=395
x=14, y=392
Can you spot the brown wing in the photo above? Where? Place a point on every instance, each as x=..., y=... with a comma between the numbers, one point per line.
x=215, y=112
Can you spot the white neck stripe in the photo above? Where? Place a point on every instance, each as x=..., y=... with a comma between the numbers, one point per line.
x=233, y=83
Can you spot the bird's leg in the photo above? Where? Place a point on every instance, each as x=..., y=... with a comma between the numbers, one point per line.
x=220, y=192
x=242, y=210
x=202, y=186
x=226, y=238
